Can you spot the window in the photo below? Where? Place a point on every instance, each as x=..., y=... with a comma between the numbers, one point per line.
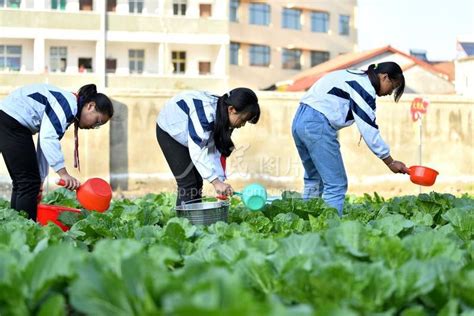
x=259, y=55
x=58, y=58
x=344, y=24
x=318, y=57
x=178, y=58
x=10, y=3
x=84, y=64
x=135, y=6
x=179, y=7
x=136, y=60
x=204, y=67
x=291, y=19
x=233, y=10
x=58, y=5
x=10, y=57
x=319, y=22
x=234, y=53
x=259, y=13
x=111, y=5
x=291, y=58
x=205, y=10
x=110, y=65
x=85, y=5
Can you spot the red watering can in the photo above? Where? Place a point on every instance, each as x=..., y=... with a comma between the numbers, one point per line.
x=94, y=194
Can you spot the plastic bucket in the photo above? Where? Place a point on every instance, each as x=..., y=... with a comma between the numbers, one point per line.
x=49, y=213
x=422, y=175
x=204, y=213
x=254, y=196
x=95, y=194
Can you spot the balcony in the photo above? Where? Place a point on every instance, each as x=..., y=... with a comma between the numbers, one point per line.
x=86, y=21
x=120, y=82
x=158, y=24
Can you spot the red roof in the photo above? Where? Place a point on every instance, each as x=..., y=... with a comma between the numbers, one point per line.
x=304, y=80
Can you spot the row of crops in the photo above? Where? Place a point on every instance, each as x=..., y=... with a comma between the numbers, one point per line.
x=410, y=255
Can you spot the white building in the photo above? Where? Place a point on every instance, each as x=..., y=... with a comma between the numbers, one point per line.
x=168, y=44
x=134, y=44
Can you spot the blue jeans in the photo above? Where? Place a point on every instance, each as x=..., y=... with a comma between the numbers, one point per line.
x=319, y=150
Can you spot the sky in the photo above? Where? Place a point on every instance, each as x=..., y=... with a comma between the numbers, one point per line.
x=431, y=25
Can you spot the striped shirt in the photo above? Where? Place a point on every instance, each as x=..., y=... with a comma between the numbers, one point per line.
x=345, y=97
x=189, y=119
x=47, y=110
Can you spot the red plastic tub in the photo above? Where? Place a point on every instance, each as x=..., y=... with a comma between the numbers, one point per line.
x=50, y=213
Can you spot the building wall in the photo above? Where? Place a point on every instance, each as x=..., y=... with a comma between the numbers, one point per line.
x=126, y=151
x=157, y=31
x=423, y=81
x=464, y=80
x=277, y=37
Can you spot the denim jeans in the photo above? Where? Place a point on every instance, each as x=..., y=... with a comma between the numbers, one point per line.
x=319, y=150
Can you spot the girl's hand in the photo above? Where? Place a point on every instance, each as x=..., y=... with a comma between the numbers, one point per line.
x=222, y=188
x=71, y=183
x=398, y=167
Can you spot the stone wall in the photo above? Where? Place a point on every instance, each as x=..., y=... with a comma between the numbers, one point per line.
x=126, y=151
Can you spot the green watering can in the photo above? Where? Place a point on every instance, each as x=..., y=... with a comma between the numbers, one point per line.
x=253, y=195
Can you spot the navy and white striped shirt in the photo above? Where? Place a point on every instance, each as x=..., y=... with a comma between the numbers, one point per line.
x=45, y=109
x=345, y=97
x=189, y=118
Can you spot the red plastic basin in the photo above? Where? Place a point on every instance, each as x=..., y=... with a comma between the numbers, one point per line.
x=50, y=213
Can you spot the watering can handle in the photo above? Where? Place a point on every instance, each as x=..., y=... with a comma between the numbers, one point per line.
x=225, y=197
x=61, y=182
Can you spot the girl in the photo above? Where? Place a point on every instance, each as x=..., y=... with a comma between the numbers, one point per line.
x=47, y=110
x=194, y=132
x=335, y=101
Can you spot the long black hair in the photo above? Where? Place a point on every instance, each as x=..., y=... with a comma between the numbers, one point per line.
x=243, y=100
x=393, y=71
x=88, y=93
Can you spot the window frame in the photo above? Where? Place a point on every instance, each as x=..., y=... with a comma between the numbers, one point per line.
x=321, y=53
x=179, y=61
x=136, y=61
x=287, y=53
x=234, y=6
x=255, y=51
x=5, y=56
x=287, y=16
x=57, y=58
x=315, y=18
x=344, y=25
x=180, y=7
x=234, y=53
x=258, y=10
x=136, y=6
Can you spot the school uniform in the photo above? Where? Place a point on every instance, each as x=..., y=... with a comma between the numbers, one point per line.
x=38, y=108
x=337, y=100
x=185, y=129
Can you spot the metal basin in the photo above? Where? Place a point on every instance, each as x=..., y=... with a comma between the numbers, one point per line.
x=204, y=213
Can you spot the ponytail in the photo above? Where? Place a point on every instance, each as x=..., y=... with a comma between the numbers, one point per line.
x=243, y=100
x=88, y=93
x=393, y=71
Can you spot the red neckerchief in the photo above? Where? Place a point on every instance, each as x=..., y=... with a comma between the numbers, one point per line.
x=77, y=164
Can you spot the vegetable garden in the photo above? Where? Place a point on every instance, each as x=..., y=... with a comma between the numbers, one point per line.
x=411, y=255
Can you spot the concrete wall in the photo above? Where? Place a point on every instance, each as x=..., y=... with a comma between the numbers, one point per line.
x=132, y=159
x=465, y=76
